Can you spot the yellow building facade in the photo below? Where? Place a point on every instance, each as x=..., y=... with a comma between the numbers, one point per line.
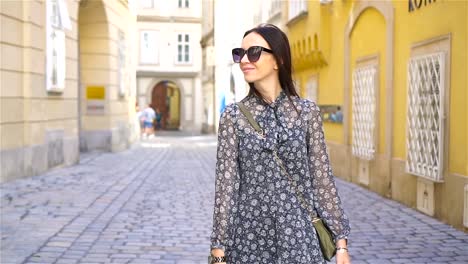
x=397, y=71
x=67, y=82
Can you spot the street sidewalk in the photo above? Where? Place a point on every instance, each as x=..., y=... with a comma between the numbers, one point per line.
x=153, y=204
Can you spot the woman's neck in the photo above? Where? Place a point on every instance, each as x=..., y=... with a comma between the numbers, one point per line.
x=270, y=90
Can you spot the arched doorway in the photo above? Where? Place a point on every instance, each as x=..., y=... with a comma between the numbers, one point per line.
x=165, y=100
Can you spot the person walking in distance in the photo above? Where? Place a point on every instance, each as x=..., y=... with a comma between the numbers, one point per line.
x=148, y=123
x=268, y=173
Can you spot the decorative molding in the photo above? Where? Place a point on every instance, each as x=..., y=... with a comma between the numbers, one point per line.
x=169, y=19
x=153, y=74
x=295, y=19
x=206, y=37
x=385, y=8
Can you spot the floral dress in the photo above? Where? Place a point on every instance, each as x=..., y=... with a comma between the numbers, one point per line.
x=258, y=217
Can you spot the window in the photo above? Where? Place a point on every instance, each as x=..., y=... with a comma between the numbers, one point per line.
x=424, y=139
x=183, y=48
x=57, y=21
x=184, y=4
x=149, y=49
x=146, y=4
x=311, y=88
x=363, y=114
x=297, y=8
x=275, y=7
x=122, y=64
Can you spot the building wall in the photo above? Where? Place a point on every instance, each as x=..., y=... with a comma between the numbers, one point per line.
x=102, y=25
x=168, y=21
x=43, y=129
x=39, y=130
x=388, y=34
x=207, y=72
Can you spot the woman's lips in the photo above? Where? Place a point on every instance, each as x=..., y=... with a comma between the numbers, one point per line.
x=247, y=69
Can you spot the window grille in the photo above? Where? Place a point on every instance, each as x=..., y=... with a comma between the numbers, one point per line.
x=424, y=139
x=364, y=104
x=57, y=21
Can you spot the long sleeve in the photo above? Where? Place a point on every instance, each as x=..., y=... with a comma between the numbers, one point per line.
x=326, y=199
x=227, y=180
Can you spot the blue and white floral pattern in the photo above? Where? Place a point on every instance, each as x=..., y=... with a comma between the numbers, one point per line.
x=258, y=217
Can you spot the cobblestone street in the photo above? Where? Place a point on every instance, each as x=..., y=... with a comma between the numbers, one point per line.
x=153, y=204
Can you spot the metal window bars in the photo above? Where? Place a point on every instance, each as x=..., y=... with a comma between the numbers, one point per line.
x=425, y=116
x=364, y=111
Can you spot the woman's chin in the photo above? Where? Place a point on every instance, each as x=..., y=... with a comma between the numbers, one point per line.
x=249, y=79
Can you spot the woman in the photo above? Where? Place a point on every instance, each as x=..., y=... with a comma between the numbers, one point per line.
x=258, y=217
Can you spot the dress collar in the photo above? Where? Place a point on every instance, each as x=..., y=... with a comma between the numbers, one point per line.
x=278, y=100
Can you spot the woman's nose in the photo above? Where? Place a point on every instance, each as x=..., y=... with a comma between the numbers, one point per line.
x=245, y=58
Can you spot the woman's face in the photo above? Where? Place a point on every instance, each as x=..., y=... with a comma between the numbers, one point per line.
x=265, y=67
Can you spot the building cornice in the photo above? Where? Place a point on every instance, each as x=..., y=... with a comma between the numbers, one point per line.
x=206, y=37
x=169, y=19
x=153, y=74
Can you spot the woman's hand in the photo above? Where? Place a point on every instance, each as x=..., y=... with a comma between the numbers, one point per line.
x=218, y=253
x=342, y=255
x=343, y=258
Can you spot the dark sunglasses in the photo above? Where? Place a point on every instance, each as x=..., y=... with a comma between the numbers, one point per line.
x=253, y=53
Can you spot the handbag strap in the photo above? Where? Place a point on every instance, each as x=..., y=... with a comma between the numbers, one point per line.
x=259, y=130
x=249, y=117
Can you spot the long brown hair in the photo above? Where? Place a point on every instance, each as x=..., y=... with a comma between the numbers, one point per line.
x=279, y=44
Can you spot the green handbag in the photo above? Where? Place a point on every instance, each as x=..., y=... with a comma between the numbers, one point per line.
x=327, y=245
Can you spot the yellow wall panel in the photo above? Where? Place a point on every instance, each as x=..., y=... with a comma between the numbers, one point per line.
x=99, y=46
x=11, y=110
x=34, y=36
x=34, y=86
x=34, y=110
x=12, y=8
x=71, y=46
x=69, y=127
x=14, y=34
x=34, y=133
x=12, y=57
x=368, y=39
x=11, y=135
x=11, y=84
x=71, y=69
x=34, y=61
x=97, y=61
x=425, y=24
x=95, y=122
x=60, y=109
x=35, y=12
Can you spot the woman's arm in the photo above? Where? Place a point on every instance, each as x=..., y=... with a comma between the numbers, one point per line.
x=326, y=199
x=227, y=182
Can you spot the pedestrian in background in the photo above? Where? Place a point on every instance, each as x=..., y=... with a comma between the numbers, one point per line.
x=140, y=119
x=264, y=180
x=148, y=116
x=158, y=119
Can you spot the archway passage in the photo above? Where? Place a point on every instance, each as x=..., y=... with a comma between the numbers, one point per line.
x=165, y=100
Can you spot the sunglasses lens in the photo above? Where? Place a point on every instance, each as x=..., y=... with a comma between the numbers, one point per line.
x=237, y=54
x=253, y=53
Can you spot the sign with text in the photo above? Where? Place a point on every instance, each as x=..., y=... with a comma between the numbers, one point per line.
x=95, y=103
x=413, y=5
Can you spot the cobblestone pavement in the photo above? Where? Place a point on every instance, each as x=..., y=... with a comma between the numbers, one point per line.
x=153, y=204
